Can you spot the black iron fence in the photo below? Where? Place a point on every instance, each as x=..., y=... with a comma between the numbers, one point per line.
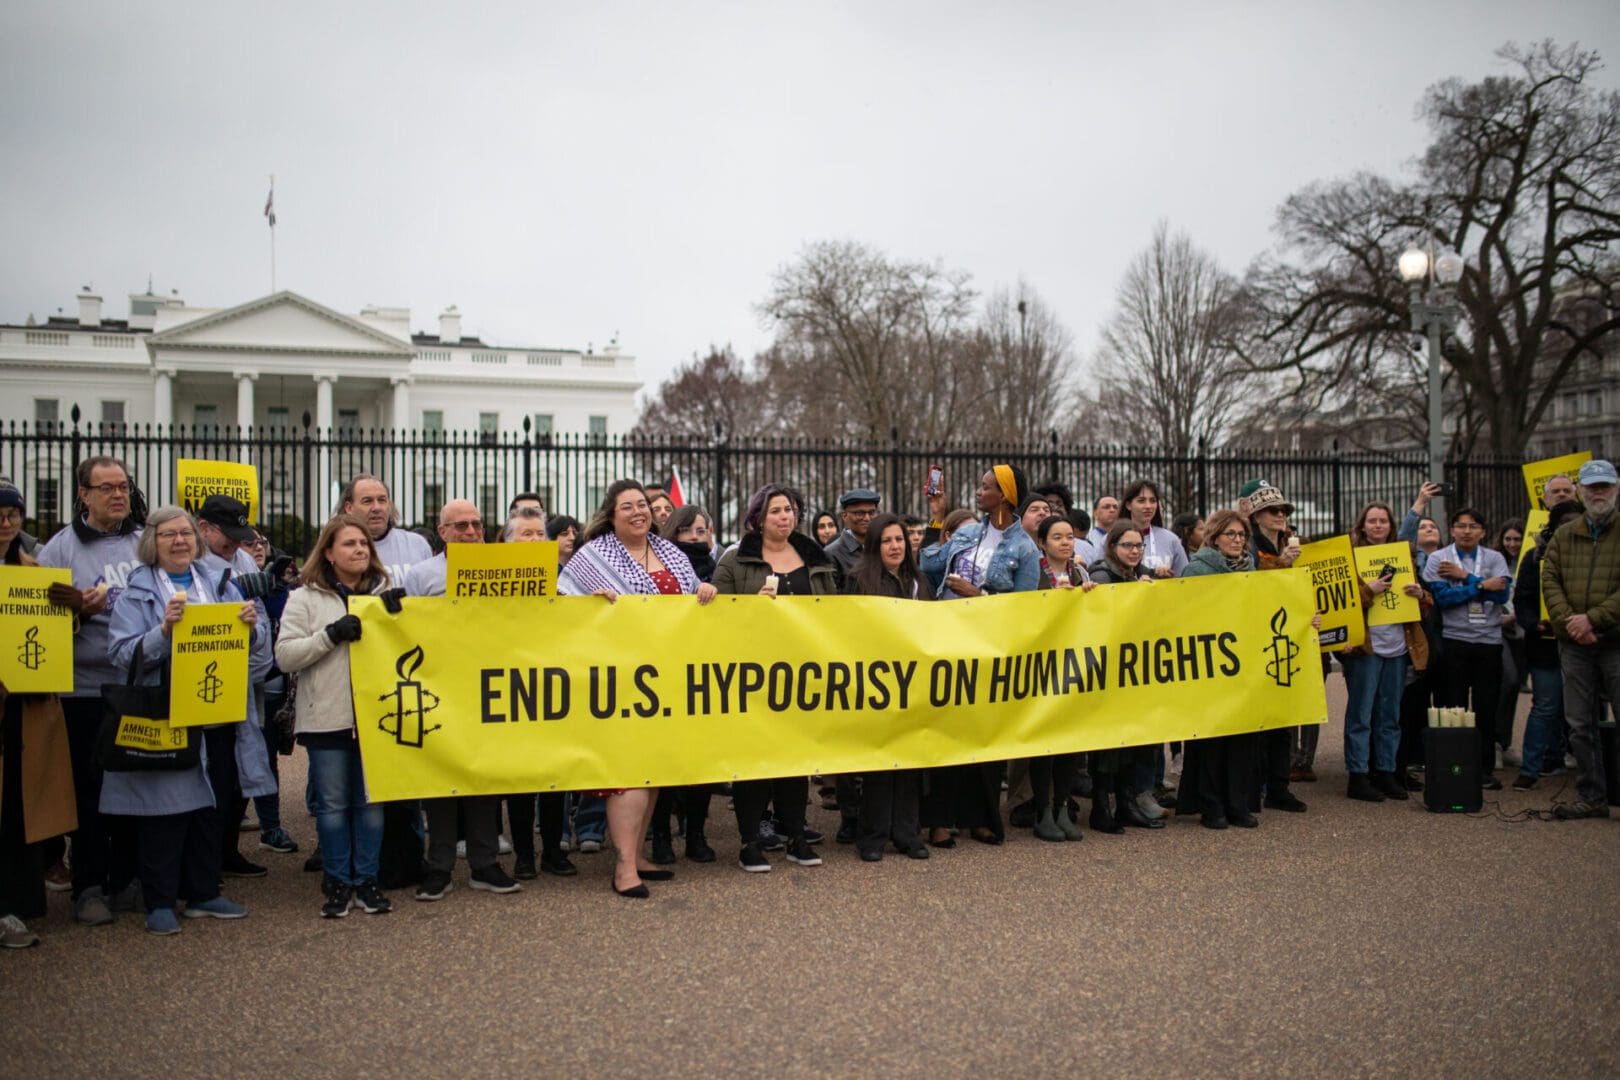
x=302, y=470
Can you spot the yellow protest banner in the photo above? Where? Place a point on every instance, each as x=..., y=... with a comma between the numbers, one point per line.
x=195, y=480
x=1534, y=522
x=36, y=637
x=208, y=681
x=1332, y=564
x=1392, y=605
x=576, y=693
x=1537, y=473
x=506, y=571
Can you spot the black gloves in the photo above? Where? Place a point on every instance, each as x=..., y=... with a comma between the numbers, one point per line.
x=391, y=600
x=255, y=586
x=344, y=629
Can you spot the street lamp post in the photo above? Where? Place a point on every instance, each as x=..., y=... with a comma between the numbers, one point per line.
x=1434, y=313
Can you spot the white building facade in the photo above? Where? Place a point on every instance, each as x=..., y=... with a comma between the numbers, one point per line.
x=264, y=364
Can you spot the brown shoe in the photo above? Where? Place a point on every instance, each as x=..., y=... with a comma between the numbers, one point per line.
x=1302, y=776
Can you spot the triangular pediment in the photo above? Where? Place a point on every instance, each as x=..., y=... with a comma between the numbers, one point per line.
x=282, y=322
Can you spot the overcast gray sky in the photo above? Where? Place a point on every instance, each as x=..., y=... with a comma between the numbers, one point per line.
x=562, y=172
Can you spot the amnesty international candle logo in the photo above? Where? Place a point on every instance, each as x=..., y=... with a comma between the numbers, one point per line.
x=210, y=685
x=1390, y=599
x=31, y=654
x=412, y=701
x=1282, y=651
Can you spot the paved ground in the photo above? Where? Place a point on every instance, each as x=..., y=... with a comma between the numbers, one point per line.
x=1355, y=939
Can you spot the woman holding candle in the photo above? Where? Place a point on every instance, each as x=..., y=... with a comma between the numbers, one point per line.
x=178, y=819
x=891, y=799
x=1471, y=585
x=774, y=559
x=316, y=630
x=623, y=554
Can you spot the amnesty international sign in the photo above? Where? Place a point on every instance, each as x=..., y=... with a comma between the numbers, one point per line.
x=208, y=682
x=576, y=693
x=1391, y=606
x=501, y=571
x=36, y=637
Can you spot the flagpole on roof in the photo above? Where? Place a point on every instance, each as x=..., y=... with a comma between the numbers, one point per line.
x=270, y=213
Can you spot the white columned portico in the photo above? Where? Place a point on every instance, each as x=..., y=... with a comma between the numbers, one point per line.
x=244, y=409
x=163, y=397
x=324, y=497
x=401, y=419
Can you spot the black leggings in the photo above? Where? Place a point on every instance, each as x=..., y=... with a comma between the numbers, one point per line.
x=691, y=803
x=1474, y=670
x=787, y=793
x=1052, y=779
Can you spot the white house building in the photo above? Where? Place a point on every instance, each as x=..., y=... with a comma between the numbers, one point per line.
x=265, y=363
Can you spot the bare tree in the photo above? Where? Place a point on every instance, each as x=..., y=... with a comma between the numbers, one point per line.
x=882, y=335
x=1020, y=372
x=714, y=392
x=1522, y=176
x=1164, y=364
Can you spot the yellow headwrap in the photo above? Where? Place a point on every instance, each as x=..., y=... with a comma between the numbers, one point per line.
x=1009, y=486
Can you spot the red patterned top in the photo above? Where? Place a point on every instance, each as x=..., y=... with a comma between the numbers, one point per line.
x=668, y=584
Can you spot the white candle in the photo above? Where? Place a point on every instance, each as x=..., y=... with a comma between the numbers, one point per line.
x=771, y=582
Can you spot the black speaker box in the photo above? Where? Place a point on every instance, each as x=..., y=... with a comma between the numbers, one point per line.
x=1609, y=743
x=1451, y=770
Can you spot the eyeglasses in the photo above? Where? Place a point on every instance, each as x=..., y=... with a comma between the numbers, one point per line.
x=169, y=536
x=860, y=513
x=109, y=489
x=1128, y=546
x=1234, y=534
x=465, y=526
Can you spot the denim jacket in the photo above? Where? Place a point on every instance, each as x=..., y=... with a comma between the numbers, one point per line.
x=1015, y=566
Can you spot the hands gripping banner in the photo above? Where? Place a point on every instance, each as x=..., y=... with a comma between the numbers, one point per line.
x=462, y=697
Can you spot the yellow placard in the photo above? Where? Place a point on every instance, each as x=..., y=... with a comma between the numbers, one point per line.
x=36, y=638
x=576, y=693
x=208, y=680
x=139, y=733
x=1537, y=473
x=195, y=480
x=1534, y=522
x=1392, y=605
x=1332, y=564
x=501, y=571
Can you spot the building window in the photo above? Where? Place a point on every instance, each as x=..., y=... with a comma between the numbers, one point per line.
x=432, y=501
x=432, y=425
x=1593, y=403
x=205, y=419
x=544, y=423
x=47, y=506
x=278, y=419
x=489, y=503
x=489, y=425
x=47, y=418
x=597, y=427
x=348, y=422
x=112, y=417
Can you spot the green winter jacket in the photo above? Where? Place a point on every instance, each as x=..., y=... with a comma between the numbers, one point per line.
x=1581, y=576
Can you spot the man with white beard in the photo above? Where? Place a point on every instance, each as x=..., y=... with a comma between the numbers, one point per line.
x=1581, y=581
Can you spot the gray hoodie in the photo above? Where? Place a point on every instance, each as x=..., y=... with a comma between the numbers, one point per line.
x=95, y=558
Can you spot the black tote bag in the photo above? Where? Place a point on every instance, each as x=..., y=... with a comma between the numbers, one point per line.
x=135, y=734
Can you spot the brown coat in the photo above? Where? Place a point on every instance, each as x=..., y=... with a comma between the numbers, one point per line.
x=48, y=805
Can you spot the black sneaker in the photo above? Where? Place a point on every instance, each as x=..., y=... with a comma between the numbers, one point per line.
x=1523, y=782
x=813, y=836
x=523, y=870
x=236, y=866
x=752, y=860
x=769, y=838
x=313, y=864
x=1288, y=801
x=846, y=831
x=802, y=853
x=435, y=884
x=1580, y=809
x=1490, y=783
x=697, y=846
x=337, y=902
x=555, y=862
x=663, y=851
x=493, y=879
x=370, y=899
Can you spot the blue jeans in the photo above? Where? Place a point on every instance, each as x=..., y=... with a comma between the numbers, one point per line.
x=350, y=828
x=1372, y=715
x=590, y=816
x=1546, y=717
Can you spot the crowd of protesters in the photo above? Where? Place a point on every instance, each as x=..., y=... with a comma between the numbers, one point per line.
x=165, y=843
